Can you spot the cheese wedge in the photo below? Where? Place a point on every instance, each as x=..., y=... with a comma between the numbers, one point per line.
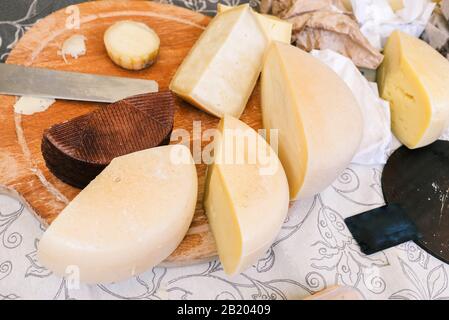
x=394, y=4
x=274, y=27
x=127, y=220
x=347, y=4
x=414, y=78
x=221, y=70
x=246, y=197
x=319, y=121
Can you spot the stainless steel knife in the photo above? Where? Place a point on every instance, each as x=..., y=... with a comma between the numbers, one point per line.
x=45, y=83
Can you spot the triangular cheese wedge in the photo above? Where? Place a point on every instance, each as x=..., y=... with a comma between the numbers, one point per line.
x=220, y=71
x=246, y=197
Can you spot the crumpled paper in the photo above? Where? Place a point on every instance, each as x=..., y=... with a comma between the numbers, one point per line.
x=378, y=20
x=445, y=135
x=325, y=24
x=377, y=136
x=436, y=33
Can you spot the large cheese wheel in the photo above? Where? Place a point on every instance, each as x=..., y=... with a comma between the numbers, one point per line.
x=246, y=197
x=319, y=121
x=127, y=220
x=414, y=78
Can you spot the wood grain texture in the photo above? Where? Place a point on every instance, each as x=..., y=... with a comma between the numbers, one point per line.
x=22, y=169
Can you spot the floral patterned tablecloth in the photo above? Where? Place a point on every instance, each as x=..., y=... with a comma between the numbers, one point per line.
x=314, y=249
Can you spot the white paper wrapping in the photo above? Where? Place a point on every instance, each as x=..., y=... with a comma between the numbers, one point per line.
x=377, y=135
x=377, y=19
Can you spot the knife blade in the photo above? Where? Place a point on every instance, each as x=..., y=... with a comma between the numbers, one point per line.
x=44, y=83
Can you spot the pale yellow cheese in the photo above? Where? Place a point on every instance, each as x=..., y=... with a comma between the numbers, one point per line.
x=30, y=105
x=394, y=4
x=347, y=4
x=414, y=78
x=131, y=45
x=221, y=70
x=246, y=197
x=127, y=220
x=222, y=8
x=319, y=121
x=275, y=28
x=74, y=46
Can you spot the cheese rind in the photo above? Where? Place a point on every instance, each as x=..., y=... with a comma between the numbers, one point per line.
x=246, y=197
x=319, y=121
x=127, y=220
x=414, y=78
x=274, y=28
x=221, y=70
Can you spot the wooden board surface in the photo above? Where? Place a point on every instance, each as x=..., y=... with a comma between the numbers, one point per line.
x=22, y=169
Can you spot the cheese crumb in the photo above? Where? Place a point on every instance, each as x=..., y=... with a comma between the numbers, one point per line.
x=30, y=105
x=74, y=46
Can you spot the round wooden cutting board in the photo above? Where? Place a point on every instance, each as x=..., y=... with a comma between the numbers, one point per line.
x=22, y=169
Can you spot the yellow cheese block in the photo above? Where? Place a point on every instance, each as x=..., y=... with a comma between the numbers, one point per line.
x=246, y=197
x=319, y=121
x=414, y=78
x=275, y=28
x=394, y=4
x=222, y=8
x=347, y=4
x=127, y=220
x=221, y=70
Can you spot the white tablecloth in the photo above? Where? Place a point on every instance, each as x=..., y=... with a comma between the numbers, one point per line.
x=314, y=250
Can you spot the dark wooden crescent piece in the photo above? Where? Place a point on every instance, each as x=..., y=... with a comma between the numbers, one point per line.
x=76, y=151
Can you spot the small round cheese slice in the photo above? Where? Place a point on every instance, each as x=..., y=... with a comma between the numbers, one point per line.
x=127, y=220
x=131, y=45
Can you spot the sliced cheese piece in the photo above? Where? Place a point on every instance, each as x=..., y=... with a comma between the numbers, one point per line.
x=347, y=4
x=319, y=121
x=131, y=45
x=274, y=27
x=74, y=46
x=127, y=220
x=221, y=70
x=222, y=8
x=396, y=5
x=414, y=78
x=246, y=197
